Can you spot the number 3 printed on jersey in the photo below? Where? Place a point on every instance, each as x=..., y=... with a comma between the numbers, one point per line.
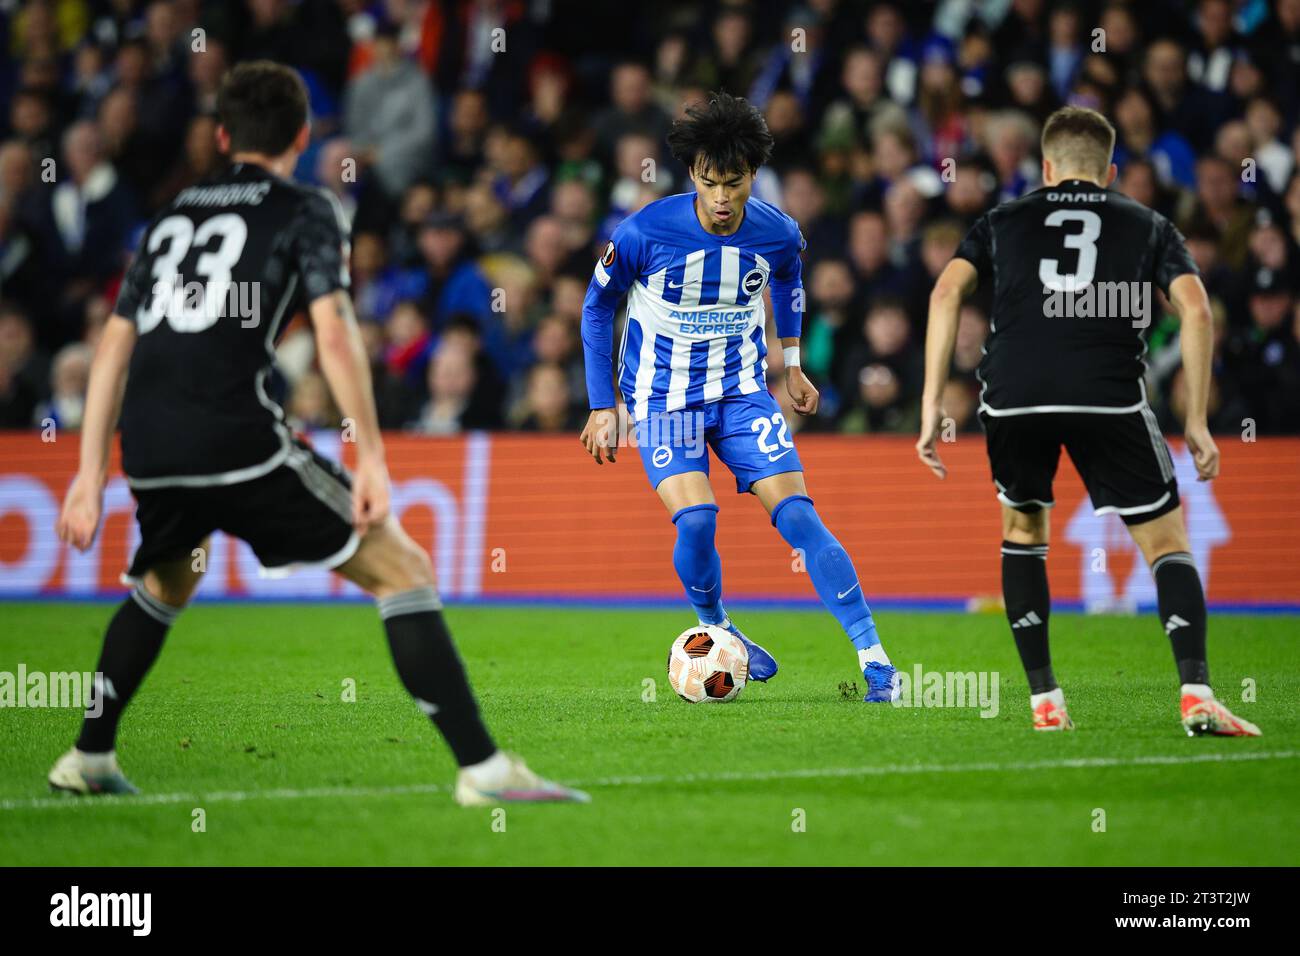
x=764, y=427
x=171, y=298
x=1086, y=244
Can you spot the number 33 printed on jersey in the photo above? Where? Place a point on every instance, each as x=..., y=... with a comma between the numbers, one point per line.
x=193, y=307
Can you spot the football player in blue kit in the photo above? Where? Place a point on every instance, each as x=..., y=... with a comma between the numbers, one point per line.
x=692, y=369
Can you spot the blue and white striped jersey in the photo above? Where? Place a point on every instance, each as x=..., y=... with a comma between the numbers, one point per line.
x=695, y=313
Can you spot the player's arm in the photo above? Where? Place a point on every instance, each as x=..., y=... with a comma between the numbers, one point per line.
x=787, y=311
x=613, y=275
x=804, y=397
x=1196, y=340
x=79, y=519
x=321, y=251
x=957, y=281
x=343, y=361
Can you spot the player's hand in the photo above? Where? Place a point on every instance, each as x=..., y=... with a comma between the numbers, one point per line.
x=79, y=520
x=804, y=397
x=369, y=494
x=932, y=417
x=1204, y=452
x=599, y=434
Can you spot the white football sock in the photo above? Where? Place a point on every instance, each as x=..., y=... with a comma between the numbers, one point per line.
x=875, y=654
x=1199, y=690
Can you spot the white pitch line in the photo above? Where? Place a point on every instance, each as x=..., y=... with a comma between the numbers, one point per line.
x=1074, y=763
x=234, y=796
x=64, y=801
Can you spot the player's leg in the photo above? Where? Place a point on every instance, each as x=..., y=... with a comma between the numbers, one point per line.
x=785, y=497
x=688, y=497
x=1028, y=601
x=1181, y=600
x=300, y=515
x=1128, y=471
x=1024, y=452
x=398, y=573
x=754, y=442
x=131, y=645
x=674, y=451
x=752, y=439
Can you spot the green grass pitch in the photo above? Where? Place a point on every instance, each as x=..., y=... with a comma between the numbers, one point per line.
x=243, y=717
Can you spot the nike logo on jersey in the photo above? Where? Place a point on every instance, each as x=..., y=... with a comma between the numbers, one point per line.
x=843, y=594
x=782, y=455
x=676, y=285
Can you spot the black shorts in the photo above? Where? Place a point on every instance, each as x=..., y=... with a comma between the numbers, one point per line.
x=300, y=513
x=1122, y=459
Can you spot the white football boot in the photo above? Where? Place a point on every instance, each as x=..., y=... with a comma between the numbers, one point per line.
x=89, y=774
x=508, y=780
x=1049, y=711
x=1205, y=716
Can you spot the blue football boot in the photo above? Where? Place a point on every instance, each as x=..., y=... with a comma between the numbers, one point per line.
x=762, y=665
x=884, y=686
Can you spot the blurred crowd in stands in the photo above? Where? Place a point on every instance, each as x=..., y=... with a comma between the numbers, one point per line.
x=484, y=150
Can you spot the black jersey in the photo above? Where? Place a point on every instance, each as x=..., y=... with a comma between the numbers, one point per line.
x=1072, y=268
x=217, y=275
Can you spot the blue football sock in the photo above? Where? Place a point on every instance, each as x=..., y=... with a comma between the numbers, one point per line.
x=696, y=559
x=829, y=566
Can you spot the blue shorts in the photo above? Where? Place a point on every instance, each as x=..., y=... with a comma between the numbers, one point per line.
x=748, y=433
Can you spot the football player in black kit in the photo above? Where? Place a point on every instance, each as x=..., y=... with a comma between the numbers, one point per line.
x=1071, y=267
x=184, y=360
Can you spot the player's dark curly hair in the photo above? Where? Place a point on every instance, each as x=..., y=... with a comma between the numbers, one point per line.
x=262, y=105
x=727, y=135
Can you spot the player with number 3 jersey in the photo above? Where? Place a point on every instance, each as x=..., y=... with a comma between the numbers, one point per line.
x=692, y=369
x=1073, y=268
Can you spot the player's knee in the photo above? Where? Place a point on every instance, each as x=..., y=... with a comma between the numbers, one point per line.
x=697, y=524
x=415, y=569
x=1025, y=527
x=1157, y=546
x=170, y=591
x=1163, y=535
x=398, y=564
x=795, y=517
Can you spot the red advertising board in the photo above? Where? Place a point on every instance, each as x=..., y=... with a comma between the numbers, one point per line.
x=532, y=516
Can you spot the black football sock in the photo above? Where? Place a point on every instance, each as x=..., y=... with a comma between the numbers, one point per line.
x=1029, y=605
x=432, y=672
x=131, y=645
x=1182, y=611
